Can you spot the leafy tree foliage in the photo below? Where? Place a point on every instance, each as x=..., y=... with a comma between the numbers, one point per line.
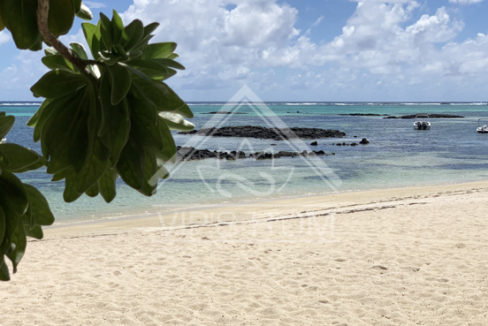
x=104, y=115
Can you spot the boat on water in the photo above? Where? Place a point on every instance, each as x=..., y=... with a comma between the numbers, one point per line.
x=3, y=140
x=482, y=128
x=421, y=124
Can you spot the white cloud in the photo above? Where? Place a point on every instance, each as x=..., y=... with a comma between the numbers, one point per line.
x=4, y=37
x=385, y=47
x=375, y=37
x=214, y=40
x=18, y=77
x=465, y=2
x=382, y=38
x=318, y=21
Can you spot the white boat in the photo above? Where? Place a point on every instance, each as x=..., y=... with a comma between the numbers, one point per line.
x=421, y=124
x=482, y=129
x=3, y=140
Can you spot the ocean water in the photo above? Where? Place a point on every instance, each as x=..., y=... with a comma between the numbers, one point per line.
x=397, y=156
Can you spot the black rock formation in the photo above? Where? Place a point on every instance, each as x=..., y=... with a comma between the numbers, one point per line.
x=267, y=133
x=191, y=153
x=430, y=116
x=363, y=114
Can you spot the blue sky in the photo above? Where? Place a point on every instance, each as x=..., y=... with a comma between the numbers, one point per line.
x=295, y=50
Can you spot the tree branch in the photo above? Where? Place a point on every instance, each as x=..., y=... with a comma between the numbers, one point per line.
x=50, y=39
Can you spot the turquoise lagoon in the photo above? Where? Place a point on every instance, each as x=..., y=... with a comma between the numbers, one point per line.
x=397, y=156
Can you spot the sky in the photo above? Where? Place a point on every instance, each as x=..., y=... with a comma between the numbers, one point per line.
x=302, y=50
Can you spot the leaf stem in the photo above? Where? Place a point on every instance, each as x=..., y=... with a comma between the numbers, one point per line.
x=50, y=39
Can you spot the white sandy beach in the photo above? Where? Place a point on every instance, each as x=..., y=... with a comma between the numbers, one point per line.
x=413, y=256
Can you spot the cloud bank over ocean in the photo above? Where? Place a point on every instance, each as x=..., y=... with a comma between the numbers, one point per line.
x=386, y=50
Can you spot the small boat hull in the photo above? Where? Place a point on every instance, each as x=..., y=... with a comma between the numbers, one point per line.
x=482, y=130
x=421, y=125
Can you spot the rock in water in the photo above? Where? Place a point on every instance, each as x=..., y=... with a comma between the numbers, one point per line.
x=364, y=141
x=430, y=116
x=267, y=133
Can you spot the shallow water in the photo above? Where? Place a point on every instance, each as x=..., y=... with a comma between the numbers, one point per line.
x=397, y=156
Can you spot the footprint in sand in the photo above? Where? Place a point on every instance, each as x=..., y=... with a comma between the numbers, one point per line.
x=379, y=267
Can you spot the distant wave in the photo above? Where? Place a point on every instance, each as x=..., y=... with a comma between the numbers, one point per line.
x=204, y=104
x=31, y=103
x=344, y=104
x=20, y=104
x=420, y=103
x=301, y=103
x=469, y=103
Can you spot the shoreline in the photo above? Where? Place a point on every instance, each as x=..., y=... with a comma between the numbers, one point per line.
x=151, y=217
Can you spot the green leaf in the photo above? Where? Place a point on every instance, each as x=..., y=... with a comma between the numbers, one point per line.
x=84, y=13
x=150, y=28
x=131, y=165
x=38, y=206
x=149, y=89
x=78, y=183
x=159, y=50
x=18, y=243
x=79, y=50
x=151, y=175
x=117, y=27
x=92, y=36
x=134, y=33
x=16, y=158
x=176, y=121
x=77, y=5
x=145, y=124
x=58, y=62
x=107, y=184
x=160, y=94
x=33, y=231
x=150, y=131
x=64, y=134
x=12, y=196
x=106, y=31
x=121, y=82
x=4, y=274
x=93, y=191
x=139, y=48
x=169, y=147
x=37, y=45
x=58, y=83
x=44, y=112
x=2, y=25
x=115, y=125
x=20, y=17
x=153, y=69
x=169, y=63
x=92, y=170
x=13, y=200
x=61, y=16
x=173, y=103
x=6, y=123
x=71, y=192
x=3, y=227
